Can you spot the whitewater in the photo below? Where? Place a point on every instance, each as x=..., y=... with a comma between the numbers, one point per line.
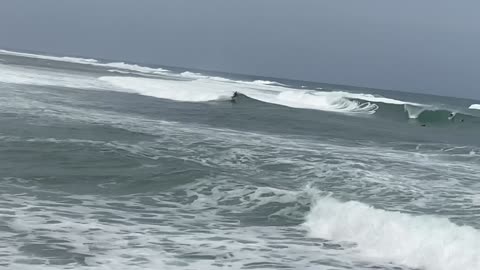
x=115, y=165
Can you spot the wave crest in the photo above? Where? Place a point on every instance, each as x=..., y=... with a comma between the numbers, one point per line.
x=202, y=90
x=425, y=242
x=91, y=62
x=474, y=107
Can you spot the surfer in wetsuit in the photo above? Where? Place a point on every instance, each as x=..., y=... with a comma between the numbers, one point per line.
x=234, y=97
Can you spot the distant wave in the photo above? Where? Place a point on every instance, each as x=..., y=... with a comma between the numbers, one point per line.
x=92, y=62
x=197, y=87
x=30, y=76
x=193, y=75
x=85, y=61
x=415, y=241
x=268, y=82
x=474, y=107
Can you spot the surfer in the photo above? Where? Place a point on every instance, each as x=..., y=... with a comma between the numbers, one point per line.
x=452, y=115
x=234, y=97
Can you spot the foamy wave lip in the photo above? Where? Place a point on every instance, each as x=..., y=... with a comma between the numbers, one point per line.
x=198, y=76
x=193, y=75
x=324, y=101
x=264, y=82
x=53, y=58
x=186, y=91
x=425, y=242
x=201, y=90
x=92, y=62
x=27, y=76
x=474, y=107
x=415, y=111
x=380, y=99
x=142, y=69
x=119, y=71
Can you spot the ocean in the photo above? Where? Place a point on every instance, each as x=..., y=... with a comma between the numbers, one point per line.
x=112, y=165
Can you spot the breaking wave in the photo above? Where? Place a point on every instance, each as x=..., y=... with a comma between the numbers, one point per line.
x=196, y=87
x=434, y=114
x=29, y=76
x=424, y=242
x=474, y=107
x=379, y=99
x=199, y=90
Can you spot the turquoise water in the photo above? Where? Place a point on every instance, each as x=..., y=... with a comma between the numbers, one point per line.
x=121, y=166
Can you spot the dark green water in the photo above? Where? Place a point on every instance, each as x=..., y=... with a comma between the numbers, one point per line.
x=116, y=166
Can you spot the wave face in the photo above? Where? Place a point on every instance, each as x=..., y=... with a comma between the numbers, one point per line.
x=422, y=242
x=439, y=115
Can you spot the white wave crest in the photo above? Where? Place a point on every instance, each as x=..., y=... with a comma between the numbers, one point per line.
x=193, y=75
x=76, y=60
x=325, y=101
x=219, y=88
x=474, y=107
x=91, y=62
x=187, y=91
x=264, y=82
x=380, y=99
x=424, y=242
x=28, y=76
x=207, y=90
x=414, y=112
x=196, y=90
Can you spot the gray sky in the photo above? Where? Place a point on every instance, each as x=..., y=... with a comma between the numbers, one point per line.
x=429, y=46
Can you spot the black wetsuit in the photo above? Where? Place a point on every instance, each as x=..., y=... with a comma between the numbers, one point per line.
x=234, y=97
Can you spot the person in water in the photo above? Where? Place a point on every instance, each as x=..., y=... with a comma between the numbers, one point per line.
x=234, y=97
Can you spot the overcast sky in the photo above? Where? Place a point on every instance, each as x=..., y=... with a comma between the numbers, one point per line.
x=429, y=46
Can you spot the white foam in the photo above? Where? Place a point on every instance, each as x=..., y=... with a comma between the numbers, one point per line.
x=119, y=71
x=425, y=242
x=324, y=101
x=414, y=112
x=53, y=58
x=193, y=75
x=329, y=101
x=28, y=76
x=264, y=82
x=373, y=98
x=142, y=69
x=92, y=62
x=474, y=107
x=124, y=232
x=187, y=91
x=207, y=90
